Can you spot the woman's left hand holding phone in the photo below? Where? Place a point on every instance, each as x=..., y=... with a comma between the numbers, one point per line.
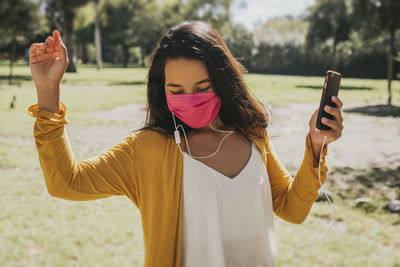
x=317, y=135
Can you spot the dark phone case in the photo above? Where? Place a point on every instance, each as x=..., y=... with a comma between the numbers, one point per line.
x=331, y=88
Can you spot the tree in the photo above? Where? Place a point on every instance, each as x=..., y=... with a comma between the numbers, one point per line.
x=20, y=22
x=84, y=31
x=379, y=18
x=127, y=24
x=153, y=22
x=97, y=34
x=61, y=14
x=122, y=25
x=215, y=12
x=87, y=27
x=328, y=20
x=397, y=58
x=240, y=42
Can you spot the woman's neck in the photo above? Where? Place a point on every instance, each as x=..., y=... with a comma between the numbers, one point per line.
x=216, y=123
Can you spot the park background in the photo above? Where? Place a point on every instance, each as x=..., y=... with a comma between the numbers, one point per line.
x=287, y=53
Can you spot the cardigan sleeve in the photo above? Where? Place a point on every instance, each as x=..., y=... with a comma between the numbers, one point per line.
x=107, y=174
x=292, y=198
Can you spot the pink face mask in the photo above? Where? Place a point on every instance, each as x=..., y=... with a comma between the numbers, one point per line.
x=196, y=110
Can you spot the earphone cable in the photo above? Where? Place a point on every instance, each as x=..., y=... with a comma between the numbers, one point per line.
x=187, y=144
x=336, y=213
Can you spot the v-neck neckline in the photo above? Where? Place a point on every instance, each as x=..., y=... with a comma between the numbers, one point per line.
x=237, y=176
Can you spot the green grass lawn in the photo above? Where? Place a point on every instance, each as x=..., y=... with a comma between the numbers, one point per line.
x=39, y=230
x=277, y=89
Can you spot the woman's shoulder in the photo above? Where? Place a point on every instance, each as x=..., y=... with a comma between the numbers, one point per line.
x=259, y=136
x=149, y=137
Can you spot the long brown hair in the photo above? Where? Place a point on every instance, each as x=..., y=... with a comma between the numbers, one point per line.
x=198, y=40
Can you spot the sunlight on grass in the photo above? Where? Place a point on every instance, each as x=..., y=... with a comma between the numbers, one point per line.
x=355, y=239
x=275, y=89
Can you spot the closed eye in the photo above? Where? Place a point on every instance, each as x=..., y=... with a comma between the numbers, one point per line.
x=198, y=89
x=204, y=89
x=175, y=93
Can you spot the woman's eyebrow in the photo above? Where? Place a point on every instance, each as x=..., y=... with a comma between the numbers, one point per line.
x=178, y=85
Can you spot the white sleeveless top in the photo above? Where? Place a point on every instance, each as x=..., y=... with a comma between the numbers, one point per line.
x=227, y=221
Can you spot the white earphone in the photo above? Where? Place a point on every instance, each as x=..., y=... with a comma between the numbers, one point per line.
x=178, y=139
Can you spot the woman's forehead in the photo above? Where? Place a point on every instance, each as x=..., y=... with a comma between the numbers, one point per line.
x=185, y=71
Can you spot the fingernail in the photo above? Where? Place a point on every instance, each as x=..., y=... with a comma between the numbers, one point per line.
x=334, y=97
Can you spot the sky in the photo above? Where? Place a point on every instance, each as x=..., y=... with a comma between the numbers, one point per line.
x=250, y=12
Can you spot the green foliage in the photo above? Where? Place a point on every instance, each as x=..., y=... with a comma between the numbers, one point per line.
x=215, y=12
x=380, y=18
x=130, y=30
x=374, y=17
x=281, y=31
x=328, y=19
x=240, y=42
x=140, y=24
x=57, y=12
x=19, y=18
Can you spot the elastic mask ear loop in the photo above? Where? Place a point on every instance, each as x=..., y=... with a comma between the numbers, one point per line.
x=332, y=222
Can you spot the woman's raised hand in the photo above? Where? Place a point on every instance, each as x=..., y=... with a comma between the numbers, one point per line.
x=48, y=62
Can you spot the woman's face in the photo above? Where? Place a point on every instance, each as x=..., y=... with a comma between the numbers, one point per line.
x=186, y=76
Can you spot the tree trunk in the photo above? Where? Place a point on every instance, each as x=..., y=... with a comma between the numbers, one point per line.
x=97, y=38
x=142, y=57
x=12, y=58
x=69, y=37
x=84, y=55
x=390, y=66
x=125, y=49
x=334, y=61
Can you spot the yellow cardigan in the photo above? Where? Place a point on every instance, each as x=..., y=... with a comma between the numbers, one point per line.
x=147, y=168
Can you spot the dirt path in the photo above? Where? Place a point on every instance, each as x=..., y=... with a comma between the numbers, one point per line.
x=367, y=141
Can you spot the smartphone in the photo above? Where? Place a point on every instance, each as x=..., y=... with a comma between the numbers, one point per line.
x=331, y=88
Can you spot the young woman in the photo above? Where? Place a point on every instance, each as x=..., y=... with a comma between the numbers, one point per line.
x=202, y=171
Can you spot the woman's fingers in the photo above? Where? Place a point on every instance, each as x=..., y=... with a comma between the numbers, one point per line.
x=49, y=44
x=42, y=49
x=57, y=38
x=59, y=46
x=335, y=113
x=34, y=49
x=335, y=125
x=337, y=101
